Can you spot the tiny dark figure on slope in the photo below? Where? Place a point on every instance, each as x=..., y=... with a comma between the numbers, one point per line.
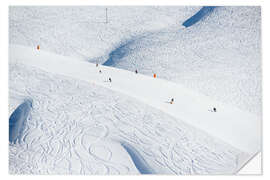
x=96, y=64
x=136, y=71
x=100, y=71
x=110, y=79
x=214, y=109
x=172, y=100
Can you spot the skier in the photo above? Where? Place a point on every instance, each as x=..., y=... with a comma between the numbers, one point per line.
x=99, y=71
x=136, y=71
x=214, y=109
x=110, y=79
x=155, y=75
x=172, y=100
x=96, y=64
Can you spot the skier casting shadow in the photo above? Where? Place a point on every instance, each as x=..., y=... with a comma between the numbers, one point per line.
x=213, y=110
x=170, y=102
x=109, y=80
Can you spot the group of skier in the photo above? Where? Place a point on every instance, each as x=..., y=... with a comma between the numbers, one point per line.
x=171, y=101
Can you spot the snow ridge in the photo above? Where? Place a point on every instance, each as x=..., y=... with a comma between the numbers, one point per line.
x=18, y=120
x=202, y=13
x=138, y=160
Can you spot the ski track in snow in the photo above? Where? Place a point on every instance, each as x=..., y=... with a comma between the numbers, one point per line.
x=76, y=128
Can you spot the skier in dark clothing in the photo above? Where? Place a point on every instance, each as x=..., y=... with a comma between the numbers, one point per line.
x=99, y=71
x=172, y=100
x=110, y=79
x=136, y=71
x=96, y=64
x=214, y=109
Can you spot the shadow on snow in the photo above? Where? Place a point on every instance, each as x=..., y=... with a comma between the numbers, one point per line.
x=203, y=12
x=137, y=159
x=18, y=119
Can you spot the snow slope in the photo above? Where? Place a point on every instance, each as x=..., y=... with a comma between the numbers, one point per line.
x=218, y=56
x=230, y=125
x=81, y=31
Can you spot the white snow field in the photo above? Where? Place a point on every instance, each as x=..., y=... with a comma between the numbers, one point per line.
x=82, y=124
x=77, y=124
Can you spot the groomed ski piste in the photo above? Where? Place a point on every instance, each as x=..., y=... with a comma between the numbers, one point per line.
x=80, y=123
